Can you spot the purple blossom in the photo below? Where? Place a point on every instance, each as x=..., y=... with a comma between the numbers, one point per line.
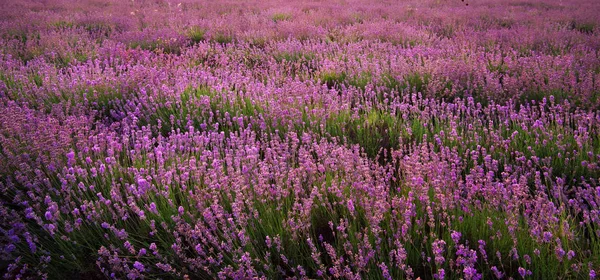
x=471, y=273
x=570, y=254
x=456, y=237
x=440, y=274
x=522, y=272
x=139, y=266
x=499, y=274
x=153, y=209
x=70, y=158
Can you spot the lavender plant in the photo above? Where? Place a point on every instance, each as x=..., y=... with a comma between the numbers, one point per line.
x=299, y=140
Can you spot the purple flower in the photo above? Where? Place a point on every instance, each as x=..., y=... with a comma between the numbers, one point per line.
x=153, y=208
x=570, y=254
x=560, y=253
x=455, y=236
x=143, y=185
x=10, y=248
x=522, y=272
x=440, y=274
x=70, y=158
x=385, y=271
x=547, y=236
x=438, y=248
x=199, y=249
x=139, y=266
x=471, y=273
x=350, y=205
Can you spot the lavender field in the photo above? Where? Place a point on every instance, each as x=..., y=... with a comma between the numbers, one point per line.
x=346, y=139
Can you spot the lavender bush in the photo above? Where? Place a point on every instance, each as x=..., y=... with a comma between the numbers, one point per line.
x=300, y=139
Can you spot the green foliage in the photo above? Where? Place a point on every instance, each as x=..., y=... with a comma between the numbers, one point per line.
x=583, y=27
x=336, y=80
x=222, y=38
x=333, y=79
x=166, y=45
x=416, y=82
x=277, y=17
x=196, y=34
x=294, y=56
x=61, y=24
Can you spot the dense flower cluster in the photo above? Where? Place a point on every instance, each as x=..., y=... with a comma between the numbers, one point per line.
x=299, y=139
